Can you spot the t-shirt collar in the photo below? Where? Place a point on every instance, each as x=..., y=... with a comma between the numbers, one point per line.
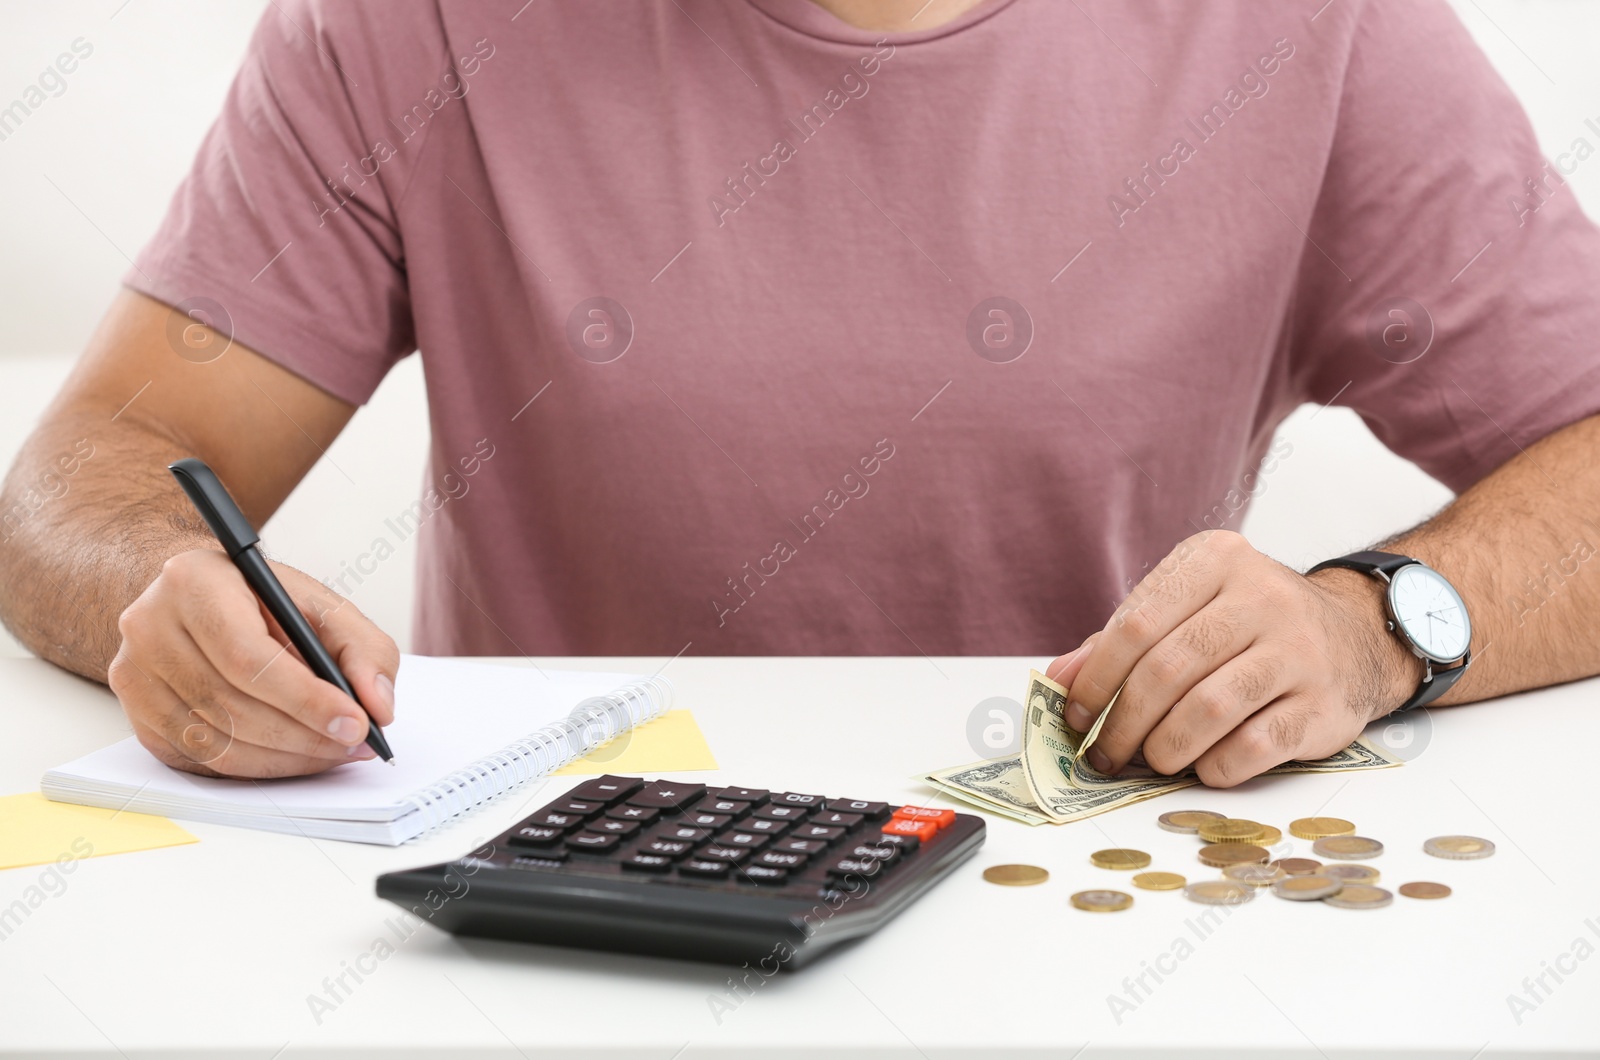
x=812, y=19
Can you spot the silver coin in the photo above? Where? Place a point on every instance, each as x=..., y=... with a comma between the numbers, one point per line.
x=1458, y=847
x=1186, y=822
x=1306, y=888
x=1346, y=848
x=1360, y=896
x=1219, y=892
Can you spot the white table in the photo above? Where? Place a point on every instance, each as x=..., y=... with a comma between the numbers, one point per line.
x=211, y=949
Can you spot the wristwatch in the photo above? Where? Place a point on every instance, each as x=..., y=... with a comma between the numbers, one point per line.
x=1425, y=611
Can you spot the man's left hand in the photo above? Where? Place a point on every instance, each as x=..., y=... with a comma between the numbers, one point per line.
x=1233, y=663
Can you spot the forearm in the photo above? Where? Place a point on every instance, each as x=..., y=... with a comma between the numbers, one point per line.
x=88, y=514
x=1517, y=546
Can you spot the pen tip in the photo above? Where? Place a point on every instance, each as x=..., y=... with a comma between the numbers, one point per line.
x=391, y=761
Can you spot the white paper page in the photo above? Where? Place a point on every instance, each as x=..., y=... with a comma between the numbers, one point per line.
x=448, y=714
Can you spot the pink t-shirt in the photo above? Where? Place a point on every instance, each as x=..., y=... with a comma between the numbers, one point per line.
x=748, y=330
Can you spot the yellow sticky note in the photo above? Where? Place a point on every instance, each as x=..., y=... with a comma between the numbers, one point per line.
x=36, y=831
x=670, y=743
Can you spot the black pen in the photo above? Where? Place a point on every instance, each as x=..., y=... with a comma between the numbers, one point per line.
x=239, y=540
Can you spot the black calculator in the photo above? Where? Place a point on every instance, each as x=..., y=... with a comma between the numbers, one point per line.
x=725, y=874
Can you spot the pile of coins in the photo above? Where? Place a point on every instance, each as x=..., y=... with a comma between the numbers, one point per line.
x=1239, y=848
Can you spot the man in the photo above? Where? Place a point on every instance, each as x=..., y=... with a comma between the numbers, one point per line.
x=837, y=326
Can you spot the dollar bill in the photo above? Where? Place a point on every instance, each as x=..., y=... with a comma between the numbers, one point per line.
x=1051, y=779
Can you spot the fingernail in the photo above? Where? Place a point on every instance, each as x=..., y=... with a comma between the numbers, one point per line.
x=346, y=729
x=1098, y=759
x=1078, y=716
x=385, y=688
x=360, y=753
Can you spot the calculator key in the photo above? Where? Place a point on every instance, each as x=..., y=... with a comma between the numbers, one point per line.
x=715, y=870
x=582, y=807
x=647, y=863
x=761, y=826
x=790, y=798
x=537, y=835
x=861, y=868
x=731, y=807
x=667, y=848
x=679, y=831
x=642, y=814
x=706, y=820
x=915, y=829
x=754, y=796
x=799, y=846
x=777, y=859
x=763, y=874
x=607, y=826
x=872, y=811
x=742, y=839
x=841, y=820
x=940, y=818
x=817, y=831
x=606, y=789
x=665, y=795
x=595, y=842
x=544, y=859
x=885, y=853
x=717, y=852
x=781, y=813
x=906, y=843
x=552, y=819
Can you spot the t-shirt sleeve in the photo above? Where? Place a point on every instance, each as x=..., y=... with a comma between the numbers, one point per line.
x=285, y=227
x=1447, y=290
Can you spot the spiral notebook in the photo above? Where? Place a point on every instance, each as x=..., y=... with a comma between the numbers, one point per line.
x=465, y=732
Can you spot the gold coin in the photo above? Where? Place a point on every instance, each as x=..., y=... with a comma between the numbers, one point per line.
x=1360, y=896
x=1298, y=866
x=1306, y=888
x=1317, y=827
x=1102, y=901
x=1348, y=874
x=1270, y=836
x=1458, y=847
x=1231, y=830
x=1219, y=892
x=1119, y=858
x=1159, y=881
x=1221, y=855
x=1353, y=847
x=1253, y=874
x=1186, y=821
x=1015, y=875
x=1424, y=890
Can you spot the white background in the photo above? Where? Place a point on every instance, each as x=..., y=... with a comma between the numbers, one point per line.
x=85, y=179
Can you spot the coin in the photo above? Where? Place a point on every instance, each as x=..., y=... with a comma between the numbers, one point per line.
x=1221, y=855
x=1306, y=888
x=1219, y=892
x=1349, y=874
x=1299, y=866
x=1015, y=875
x=1458, y=847
x=1317, y=827
x=1102, y=901
x=1424, y=890
x=1355, y=847
x=1159, y=881
x=1360, y=896
x=1120, y=858
x=1186, y=821
x=1269, y=837
x=1231, y=830
x=1253, y=874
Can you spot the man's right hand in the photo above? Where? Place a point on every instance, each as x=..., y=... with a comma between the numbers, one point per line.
x=211, y=685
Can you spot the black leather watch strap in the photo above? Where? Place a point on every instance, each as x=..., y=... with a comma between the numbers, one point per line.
x=1428, y=691
x=1369, y=562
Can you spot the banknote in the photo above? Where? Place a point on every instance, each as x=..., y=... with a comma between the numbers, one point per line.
x=1051, y=779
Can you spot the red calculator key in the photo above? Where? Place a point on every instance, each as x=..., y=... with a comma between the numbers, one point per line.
x=916, y=829
x=938, y=818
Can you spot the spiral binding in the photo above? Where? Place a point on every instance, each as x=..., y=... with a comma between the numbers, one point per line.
x=591, y=723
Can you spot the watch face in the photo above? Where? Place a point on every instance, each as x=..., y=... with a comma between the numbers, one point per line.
x=1430, y=612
